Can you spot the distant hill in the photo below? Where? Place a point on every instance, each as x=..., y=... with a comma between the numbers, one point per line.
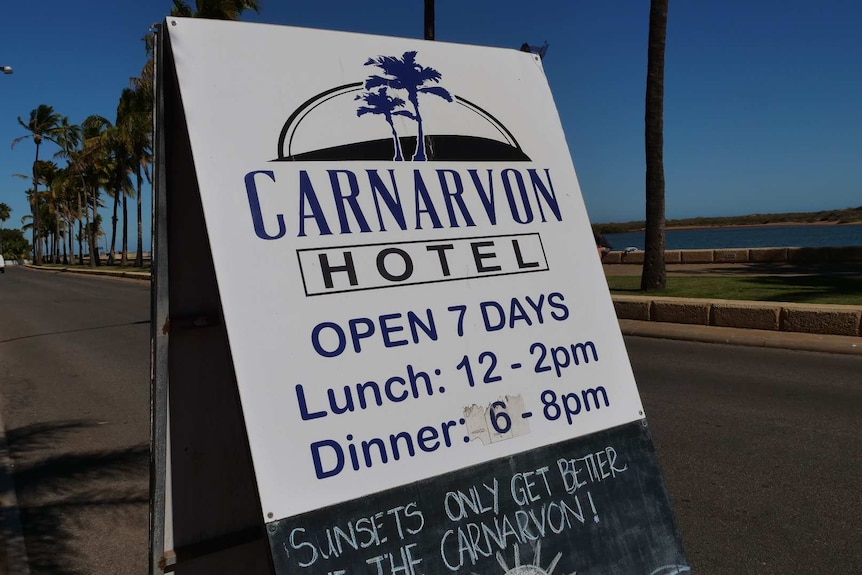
x=845, y=216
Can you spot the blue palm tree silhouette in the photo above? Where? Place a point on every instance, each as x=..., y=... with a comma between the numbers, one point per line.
x=381, y=103
x=406, y=74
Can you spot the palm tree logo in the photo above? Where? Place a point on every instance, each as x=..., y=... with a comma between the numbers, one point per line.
x=407, y=75
x=381, y=103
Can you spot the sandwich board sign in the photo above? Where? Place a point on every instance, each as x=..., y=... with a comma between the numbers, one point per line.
x=383, y=334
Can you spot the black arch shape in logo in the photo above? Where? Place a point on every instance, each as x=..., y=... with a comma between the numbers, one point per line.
x=440, y=148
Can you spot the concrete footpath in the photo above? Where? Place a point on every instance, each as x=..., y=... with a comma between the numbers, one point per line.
x=811, y=327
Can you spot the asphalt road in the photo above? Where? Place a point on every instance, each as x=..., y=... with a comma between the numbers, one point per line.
x=762, y=449
x=74, y=385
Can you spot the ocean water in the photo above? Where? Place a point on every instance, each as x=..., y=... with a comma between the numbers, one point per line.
x=749, y=237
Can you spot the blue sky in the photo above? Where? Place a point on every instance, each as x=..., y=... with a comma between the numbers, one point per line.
x=763, y=100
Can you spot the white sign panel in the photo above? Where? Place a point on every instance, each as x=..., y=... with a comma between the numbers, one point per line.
x=406, y=268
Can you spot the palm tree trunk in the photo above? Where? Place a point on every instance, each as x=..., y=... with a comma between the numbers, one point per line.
x=70, y=228
x=139, y=257
x=124, y=258
x=399, y=156
x=36, y=227
x=654, y=275
x=94, y=253
x=80, y=232
x=419, y=156
x=57, y=240
x=114, y=228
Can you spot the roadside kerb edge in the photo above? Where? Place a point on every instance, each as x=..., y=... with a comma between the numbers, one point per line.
x=145, y=276
x=824, y=319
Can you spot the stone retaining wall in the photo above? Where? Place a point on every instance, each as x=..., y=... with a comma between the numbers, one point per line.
x=849, y=254
x=770, y=316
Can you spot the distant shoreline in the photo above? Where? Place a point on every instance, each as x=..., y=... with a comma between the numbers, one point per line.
x=769, y=225
x=736, y=226
x=847, y=216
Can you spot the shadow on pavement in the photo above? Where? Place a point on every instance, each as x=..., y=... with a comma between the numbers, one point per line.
x=57, y=490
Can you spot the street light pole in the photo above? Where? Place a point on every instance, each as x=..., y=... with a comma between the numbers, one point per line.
x=6, y=70
x=429, y=19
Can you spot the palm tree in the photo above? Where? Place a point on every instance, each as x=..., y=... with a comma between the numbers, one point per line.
x=406, y=74
x=134, y=125
x=5, y=214
x=44, y=124
x=214, y=9
x=654, y=275
x=380, y=102
x=92, y=162
x=70, y=150
x=118, y=165
x=64, y=190
x=48, y=175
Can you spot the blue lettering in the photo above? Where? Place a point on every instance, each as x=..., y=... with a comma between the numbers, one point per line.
x=415, y=377
x=355, y=335
x=391, y=199
x=430, y=328
x=408, y=442
x=537, y=307
x=307, y=194
x=423, y=202
x=555, y=300
x=254, y=207
x=501, y=315
x=339, y=334
x=428, y=439
x=487, y=199
x=390, y=395
x=454, y=197
x=319, y=470
x=518, y=313
x=348, y=401
x=303, y=406
x=550, y=196
x=350, y=200
x=386, y=330
x=510, y=195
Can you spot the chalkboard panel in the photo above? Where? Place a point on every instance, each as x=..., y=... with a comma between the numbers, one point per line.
x=596, y=504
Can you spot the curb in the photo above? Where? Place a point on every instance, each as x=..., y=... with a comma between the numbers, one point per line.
x=823, y=319
x=143, y=276
x=840, y=344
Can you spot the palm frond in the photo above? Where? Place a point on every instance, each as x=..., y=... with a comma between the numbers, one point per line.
x=437, y=91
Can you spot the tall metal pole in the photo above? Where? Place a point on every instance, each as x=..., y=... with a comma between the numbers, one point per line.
x=429, y=19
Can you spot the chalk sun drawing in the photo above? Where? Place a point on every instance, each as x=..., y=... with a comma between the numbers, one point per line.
x=533, y=568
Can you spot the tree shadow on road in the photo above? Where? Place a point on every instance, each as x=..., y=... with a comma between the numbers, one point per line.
x=60, y=491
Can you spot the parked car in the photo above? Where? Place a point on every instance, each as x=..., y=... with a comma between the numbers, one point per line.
x=2, y=265
x=631, y=249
